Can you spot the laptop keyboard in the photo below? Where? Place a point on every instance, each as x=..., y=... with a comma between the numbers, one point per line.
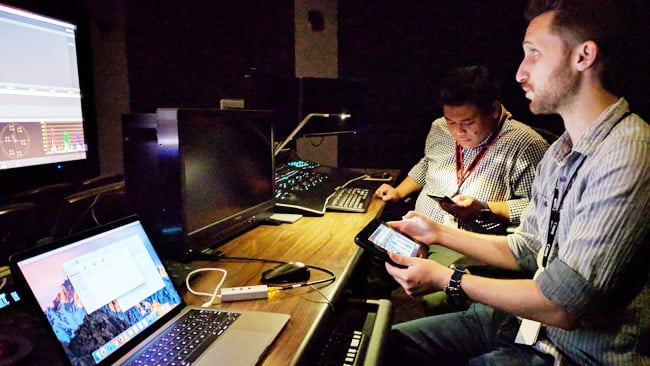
x=185, y=341
x=350, y=199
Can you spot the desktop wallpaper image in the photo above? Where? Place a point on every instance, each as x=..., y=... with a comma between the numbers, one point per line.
x=81, y=334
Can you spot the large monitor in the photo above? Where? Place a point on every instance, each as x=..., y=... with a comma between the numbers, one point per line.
x=44, y=109
x=212, y=177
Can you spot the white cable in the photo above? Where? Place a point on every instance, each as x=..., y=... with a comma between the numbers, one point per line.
x=346, y=184
x=213, y=295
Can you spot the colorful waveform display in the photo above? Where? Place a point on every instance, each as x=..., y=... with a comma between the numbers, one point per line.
x=62, y=137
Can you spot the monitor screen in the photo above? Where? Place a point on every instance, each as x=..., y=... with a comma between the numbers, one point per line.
x=41, y=102
x=202, y=176
x=226, y=163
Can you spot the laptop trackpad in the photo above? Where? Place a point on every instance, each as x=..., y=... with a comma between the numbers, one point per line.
x=230, y=350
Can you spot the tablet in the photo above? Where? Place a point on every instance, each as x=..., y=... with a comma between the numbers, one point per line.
x=379, y=239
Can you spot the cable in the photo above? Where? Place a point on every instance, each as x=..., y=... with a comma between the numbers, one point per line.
x=283, y=287
x=271, y=287
x=5, y=271
x=213, y=295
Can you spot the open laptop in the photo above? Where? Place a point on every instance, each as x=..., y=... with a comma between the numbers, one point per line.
x=106, y=296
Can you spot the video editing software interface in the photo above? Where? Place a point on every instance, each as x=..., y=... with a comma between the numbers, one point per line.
x=41, y=119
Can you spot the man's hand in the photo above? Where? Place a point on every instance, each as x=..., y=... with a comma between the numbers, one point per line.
x=421, y=277
x=418, y=227
x=387, y=193
x=464, y=207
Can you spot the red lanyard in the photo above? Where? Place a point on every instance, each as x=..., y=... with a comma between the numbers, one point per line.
x=461, y=173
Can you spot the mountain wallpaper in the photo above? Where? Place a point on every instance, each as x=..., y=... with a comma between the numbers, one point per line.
x=81, y=333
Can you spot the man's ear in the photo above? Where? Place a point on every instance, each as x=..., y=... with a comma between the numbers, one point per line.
x=496, y=109
x=586, y=54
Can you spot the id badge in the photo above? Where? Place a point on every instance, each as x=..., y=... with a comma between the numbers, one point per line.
x=528, y=332
x=450, y=220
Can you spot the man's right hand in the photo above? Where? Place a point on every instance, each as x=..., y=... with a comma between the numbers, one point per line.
x=387, y=193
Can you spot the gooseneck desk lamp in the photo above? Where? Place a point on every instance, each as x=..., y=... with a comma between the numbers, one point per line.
x=304, y=121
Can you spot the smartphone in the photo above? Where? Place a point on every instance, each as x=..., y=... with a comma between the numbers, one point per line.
x=439, y=199
x=379, y=239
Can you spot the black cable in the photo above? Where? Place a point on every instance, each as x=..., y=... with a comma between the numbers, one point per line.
x=332, y=277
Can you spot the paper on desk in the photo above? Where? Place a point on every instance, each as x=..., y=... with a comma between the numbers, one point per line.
x=286, y=217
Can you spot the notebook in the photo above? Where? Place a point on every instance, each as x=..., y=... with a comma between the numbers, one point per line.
x=106, y=296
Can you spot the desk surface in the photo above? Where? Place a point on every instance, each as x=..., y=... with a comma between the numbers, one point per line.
x=326, y=241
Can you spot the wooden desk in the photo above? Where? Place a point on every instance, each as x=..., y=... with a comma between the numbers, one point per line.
x=326, y=241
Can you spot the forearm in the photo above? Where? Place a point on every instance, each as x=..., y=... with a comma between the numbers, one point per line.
x=519, y=297
x=408, y=186
x=489, y=249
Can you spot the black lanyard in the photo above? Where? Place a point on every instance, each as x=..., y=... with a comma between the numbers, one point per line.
x=556, y=204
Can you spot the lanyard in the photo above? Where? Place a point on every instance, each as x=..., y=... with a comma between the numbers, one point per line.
x=556, y=204
x=461, y=172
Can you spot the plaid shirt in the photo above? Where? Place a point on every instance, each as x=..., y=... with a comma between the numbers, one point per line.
x=505, y=173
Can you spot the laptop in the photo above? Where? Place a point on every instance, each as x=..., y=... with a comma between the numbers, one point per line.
x=107, y=297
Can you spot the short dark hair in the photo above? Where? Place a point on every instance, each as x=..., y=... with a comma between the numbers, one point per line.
x=470, y=84
x=601, y=21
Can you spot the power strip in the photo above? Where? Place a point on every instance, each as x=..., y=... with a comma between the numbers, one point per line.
x=244, y=293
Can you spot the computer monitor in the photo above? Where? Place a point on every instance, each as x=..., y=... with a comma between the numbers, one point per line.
x=45, y=102
x=212, y=179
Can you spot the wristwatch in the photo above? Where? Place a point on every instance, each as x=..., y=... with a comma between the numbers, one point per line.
x=455, y=293
x=484, y=215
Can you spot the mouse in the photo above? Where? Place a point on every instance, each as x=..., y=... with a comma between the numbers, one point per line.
x=286, y=272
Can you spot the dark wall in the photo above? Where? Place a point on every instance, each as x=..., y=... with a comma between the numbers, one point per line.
x=402, y=48
x=192, y=53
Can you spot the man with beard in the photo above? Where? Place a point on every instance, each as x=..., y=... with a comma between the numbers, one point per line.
x=584, y=238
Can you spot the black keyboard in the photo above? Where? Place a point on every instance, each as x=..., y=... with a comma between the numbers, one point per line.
x=350, y=199
x=353, y=335
x=302, y=186
x=186, y=340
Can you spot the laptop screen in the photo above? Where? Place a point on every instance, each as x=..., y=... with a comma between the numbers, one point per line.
x=100, y=290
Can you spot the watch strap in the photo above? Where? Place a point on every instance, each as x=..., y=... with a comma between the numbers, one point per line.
x=456, y=295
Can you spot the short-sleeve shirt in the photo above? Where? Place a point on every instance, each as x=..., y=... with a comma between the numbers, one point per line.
x=505, y=172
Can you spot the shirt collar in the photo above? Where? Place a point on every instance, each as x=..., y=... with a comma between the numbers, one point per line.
x=592, y=137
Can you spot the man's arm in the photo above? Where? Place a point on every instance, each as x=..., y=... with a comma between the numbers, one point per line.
x=388, y=193
x=520, y=297
x=489, y=249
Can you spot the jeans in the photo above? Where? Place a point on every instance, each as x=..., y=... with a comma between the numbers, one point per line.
x=476, y=336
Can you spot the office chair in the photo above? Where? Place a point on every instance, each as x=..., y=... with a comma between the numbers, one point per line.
x=90, y=208
x=100, y=180
x=549, y=136
x=48, y=197
x=22, y=225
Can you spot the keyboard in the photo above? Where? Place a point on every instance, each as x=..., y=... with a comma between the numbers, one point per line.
x=184, y=342
x=302, y=186
x=353, y=335
x=350, y=199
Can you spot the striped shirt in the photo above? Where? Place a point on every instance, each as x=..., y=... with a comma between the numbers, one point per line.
x=598, y=267
x=505, y=173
